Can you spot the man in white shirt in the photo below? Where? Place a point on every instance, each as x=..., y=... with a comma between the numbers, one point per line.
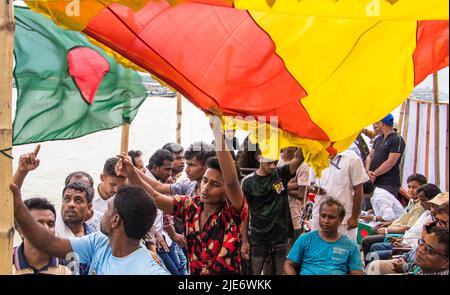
x=343, y=180
x=386, y=207
x=110, y=183
x=430, y=197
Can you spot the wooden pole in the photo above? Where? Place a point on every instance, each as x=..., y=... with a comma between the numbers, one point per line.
x=6, y=198
x=427, y=141
x=179, y=117
x=446, y=154
x=125, y=138
x=417, y=136
x=437, y=163
x=402, y=112
x=404, y=133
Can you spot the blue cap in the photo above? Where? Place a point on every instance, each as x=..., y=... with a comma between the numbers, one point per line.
x=388, y=120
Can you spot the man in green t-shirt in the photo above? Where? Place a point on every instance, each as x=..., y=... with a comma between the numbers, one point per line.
x=264, y=238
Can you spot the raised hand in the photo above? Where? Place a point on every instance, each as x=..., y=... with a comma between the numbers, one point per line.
x=216, y=125
x=124, y=166
x=29, y=162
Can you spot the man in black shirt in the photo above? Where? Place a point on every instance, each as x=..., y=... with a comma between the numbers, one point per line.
x=383, y=162
x=270, y=223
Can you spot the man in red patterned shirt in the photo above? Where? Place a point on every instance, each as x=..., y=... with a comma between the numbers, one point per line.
x=213, y=219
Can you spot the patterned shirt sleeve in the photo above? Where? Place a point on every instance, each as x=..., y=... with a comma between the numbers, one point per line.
x=181, y=205
x=239, y=217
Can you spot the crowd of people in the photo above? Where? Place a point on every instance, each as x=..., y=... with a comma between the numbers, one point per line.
x=223, y=209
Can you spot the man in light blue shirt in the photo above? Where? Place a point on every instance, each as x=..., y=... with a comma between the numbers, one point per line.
x=325, y=252
x=117, y=250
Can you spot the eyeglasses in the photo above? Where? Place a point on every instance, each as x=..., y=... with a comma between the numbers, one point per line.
x=440, y=222
x=429, y=250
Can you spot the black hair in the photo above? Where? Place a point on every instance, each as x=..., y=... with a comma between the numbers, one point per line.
x=213, y=163
x=137, y=210
x=173, y=147
x=442, y=235
x=79, y=174
x=333, y=202
x=81, y=187
x=158, y=158
x=429, y=190
x=109, y=169
x=39, y=204
x=417, y=177
x=368, y=187
x=442, y=209
x=134, y=154
x=201, y=151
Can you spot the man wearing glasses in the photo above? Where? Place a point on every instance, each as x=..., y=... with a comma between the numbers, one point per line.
x=406, y=263
x=432, y=256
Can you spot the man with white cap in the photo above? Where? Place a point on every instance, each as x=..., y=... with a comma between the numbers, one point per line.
x=383, y=162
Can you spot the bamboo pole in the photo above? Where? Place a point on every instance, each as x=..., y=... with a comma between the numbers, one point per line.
x=404, y=133
x=402, y=112
x=437, y=163
x=125, y=138
x=446, y=154
x=427, y=141
x=179, y=117
x=417, y=136
x=6, y=199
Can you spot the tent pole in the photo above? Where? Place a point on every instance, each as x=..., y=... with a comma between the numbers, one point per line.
x=179, y=117
x=125, y=138
x=6, y=198
x=437, y=164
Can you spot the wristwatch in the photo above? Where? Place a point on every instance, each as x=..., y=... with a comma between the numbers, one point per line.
x=374, y=218
x=386, y=231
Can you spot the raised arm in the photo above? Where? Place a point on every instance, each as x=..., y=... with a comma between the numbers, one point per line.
x=40, y=237
x=125, y=168
x=162, y=188
x=232, y=185
x=297, y=161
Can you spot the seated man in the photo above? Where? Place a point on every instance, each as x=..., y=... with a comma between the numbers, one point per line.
x=385, y=206
x=26, y=258
x=410, y=238
x=325, y=252
x=432, y=256
x=215, y=216
x=116, y=250
x=424, y=194
x=412, y=212
x=407, y=262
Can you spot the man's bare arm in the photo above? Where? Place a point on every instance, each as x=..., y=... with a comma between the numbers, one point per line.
x=40, y=237
x=162, y=188
x=125, y=168
x=290, y=268
x=388, y=164
x=229, y=173
x=297, y=161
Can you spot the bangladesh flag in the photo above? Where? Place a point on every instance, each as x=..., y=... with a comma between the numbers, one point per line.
x=67, y=87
